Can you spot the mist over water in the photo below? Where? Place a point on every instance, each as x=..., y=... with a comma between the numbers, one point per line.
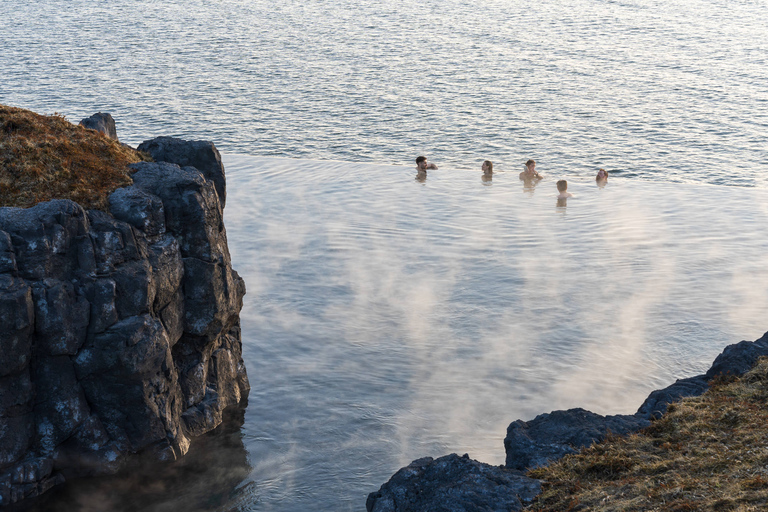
x=388, y=319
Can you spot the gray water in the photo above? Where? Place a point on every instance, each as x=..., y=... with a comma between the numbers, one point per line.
x=388, y=319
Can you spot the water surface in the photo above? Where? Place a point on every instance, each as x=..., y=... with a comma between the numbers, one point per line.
x=672, y=89
x=388, y=319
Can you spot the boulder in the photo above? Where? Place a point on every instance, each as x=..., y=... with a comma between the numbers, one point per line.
x=453, y=484
x=656, y=403
x=140, y=209
x=548, y=437
x=46, y=238
x=737, y=359
x=192, y=211
x=101, y=123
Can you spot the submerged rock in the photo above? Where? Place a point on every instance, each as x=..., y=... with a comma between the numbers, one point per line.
x=119, y=333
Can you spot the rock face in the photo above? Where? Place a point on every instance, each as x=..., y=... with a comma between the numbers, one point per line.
x=459, y=484
x=101, y=123
x=530, y=444
x=119, y=333
x=200, y=154
x=453, y=484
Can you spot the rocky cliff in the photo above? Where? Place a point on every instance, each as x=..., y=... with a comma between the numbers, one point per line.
x=119, y=330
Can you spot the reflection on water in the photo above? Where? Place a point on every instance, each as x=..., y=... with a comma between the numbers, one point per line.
x=386, y=321
x=212, y=477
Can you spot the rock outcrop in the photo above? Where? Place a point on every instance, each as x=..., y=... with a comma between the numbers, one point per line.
x=453, y=484
x=200, y=154
x=101, y=123
x=530, y=444
x=119, y=332
x=426, y=485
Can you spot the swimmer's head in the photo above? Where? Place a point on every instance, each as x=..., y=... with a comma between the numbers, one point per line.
x=530, y=163
x=487, y=166
x=562, y=186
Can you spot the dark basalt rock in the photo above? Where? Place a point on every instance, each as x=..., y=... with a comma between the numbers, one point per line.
x=656, y=403
x=199, y=154
x=530, y=444
x=739, y=358
x=101, y=123
x=551, y=436
x=453, y=484
x=119, y=333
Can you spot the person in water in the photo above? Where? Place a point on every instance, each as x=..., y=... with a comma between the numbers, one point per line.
x=562, y=187
x=487, y=169
x=602, y=175
x=422, y=165
x=530, y=171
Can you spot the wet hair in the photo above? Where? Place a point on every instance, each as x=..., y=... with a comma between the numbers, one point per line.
x=420, y=159
x=529, y=162
x=489, y=164
x=562, y=186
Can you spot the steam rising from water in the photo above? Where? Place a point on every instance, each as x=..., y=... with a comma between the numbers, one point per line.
x=388, y=319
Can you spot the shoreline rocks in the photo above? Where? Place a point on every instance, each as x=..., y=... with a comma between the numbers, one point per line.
x=529, y=444
x=120, y=331
x=452, y=483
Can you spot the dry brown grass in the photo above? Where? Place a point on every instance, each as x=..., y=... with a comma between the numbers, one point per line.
x=708, y=453
x=47, y=157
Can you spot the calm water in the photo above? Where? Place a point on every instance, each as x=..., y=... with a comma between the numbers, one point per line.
x=388, y=319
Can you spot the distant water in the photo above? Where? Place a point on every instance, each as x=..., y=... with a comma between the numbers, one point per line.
x=388, y=319
x=672, y=90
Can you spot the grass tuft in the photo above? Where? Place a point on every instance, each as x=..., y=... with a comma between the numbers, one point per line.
x=708, y=453
x=47, y=157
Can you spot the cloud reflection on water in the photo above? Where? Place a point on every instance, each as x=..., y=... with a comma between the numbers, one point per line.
x=387, y=320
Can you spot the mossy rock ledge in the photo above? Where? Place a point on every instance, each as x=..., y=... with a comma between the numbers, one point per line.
x=119, y=322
